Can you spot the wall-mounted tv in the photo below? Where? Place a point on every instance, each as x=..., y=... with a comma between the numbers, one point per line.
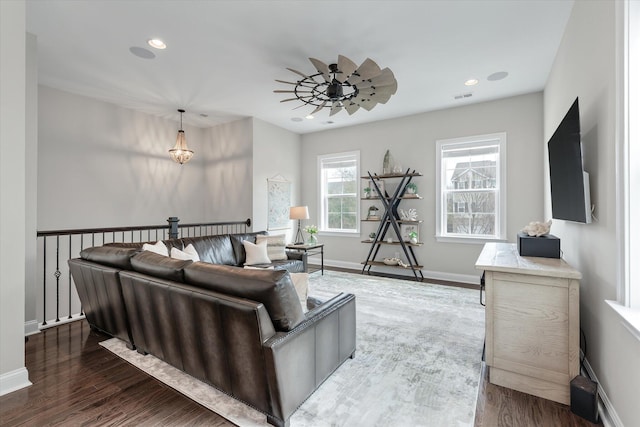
x=570, y=197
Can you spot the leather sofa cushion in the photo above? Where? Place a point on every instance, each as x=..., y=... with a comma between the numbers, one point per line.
x=273, y=288
x=160, y=266
x=113, y=256
x=292, y=265
x=212, y=249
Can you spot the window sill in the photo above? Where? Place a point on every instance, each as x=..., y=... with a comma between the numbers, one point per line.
x=469, y=240
x=630, y=317
x=339, y=233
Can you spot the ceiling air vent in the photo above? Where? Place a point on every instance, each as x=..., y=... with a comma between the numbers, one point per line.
x=463, y=95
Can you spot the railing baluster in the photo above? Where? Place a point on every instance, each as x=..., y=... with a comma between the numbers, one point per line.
x=57, y=274
x=192, y=230
x=69, y=274
x=81, y=248
x=44, y=280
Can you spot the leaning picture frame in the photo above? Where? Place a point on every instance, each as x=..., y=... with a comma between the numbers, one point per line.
x=380, y=184
x=405, y=229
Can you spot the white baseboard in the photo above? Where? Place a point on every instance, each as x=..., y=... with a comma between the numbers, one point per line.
x=607, y=412
x=31, y=327
x=52, y=323
x=14, y=380
x=437, y=275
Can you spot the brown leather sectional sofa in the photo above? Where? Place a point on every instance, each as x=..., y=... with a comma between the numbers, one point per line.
x=241, y=331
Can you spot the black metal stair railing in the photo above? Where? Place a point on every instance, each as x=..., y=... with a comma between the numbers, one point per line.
x=63, y=298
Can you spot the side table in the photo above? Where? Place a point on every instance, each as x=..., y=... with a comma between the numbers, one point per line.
x=310, y=250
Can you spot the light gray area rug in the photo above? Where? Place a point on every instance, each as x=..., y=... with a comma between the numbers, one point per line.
x=418, y=360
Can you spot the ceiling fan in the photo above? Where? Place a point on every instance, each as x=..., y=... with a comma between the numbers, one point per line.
x=342, y=85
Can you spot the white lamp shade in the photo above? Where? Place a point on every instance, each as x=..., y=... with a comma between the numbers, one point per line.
x=299, y=212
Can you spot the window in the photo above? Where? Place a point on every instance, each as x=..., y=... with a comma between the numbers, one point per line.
x=627, y=304
x=471, y=182
x=339, y=202
x=631, y=159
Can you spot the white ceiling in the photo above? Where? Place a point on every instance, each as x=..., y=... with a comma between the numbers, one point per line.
x=223, y=56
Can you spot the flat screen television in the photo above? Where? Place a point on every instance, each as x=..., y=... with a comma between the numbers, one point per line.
x=570, y=197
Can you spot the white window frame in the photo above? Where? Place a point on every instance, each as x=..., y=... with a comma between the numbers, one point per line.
x=500, y=139
x=322, y=229
x=627, y=304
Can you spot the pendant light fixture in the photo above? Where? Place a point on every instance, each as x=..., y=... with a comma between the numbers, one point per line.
x=180, y=153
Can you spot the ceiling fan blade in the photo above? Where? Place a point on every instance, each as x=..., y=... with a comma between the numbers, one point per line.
x=291, y=91
x=346, y=66
x=301, y=98
x=300, y=106
x=367, y=70
x=381, y=98
x=285, y=82
x=384, y=90
x=320, y=107
x=336, y=107
x=351, y=107
x=322, y=68
x=385, y=78
x=298, y=72
x=367, y=104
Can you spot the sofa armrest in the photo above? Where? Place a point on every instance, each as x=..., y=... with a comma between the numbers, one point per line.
x=298, y=255
x=298, y=361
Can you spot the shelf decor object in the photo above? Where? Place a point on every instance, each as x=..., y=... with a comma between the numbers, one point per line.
x=393, y=230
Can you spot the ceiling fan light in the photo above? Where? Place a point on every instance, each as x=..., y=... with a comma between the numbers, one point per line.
x=334, y=91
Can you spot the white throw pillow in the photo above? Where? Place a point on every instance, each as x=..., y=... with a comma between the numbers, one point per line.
x=188, y=253
x=301, y=283
x=192, y=251
x=275, y=246
x=159, y=248
x=256, y=253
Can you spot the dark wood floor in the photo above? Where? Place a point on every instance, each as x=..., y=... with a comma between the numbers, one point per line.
x=78, y=383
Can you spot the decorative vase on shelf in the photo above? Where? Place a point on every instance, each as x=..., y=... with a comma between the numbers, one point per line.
x=386, y=163
x=312, y=240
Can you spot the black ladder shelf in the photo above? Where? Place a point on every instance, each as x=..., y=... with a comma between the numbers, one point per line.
x=390, y=220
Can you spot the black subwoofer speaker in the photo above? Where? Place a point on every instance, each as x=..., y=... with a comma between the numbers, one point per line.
x=584, y=398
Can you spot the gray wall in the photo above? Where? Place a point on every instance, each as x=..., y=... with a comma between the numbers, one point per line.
x=228, y=182
x=13, y=141
x=411, y=141
x=585, y=67
x=31, y=182
x=100, y=165
x=276, y=152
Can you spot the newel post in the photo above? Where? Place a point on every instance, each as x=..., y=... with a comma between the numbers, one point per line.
x=173, y=227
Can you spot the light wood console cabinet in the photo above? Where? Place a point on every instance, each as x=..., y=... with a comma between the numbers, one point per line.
x=532, y=321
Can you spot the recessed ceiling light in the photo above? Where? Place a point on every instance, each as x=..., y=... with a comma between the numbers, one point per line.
x=296, y=119
x=471, y=82
x=204, y=115
x=309, y=117
x=157, y=43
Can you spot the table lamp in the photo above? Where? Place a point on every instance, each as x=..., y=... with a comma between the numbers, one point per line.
x=299, y=213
